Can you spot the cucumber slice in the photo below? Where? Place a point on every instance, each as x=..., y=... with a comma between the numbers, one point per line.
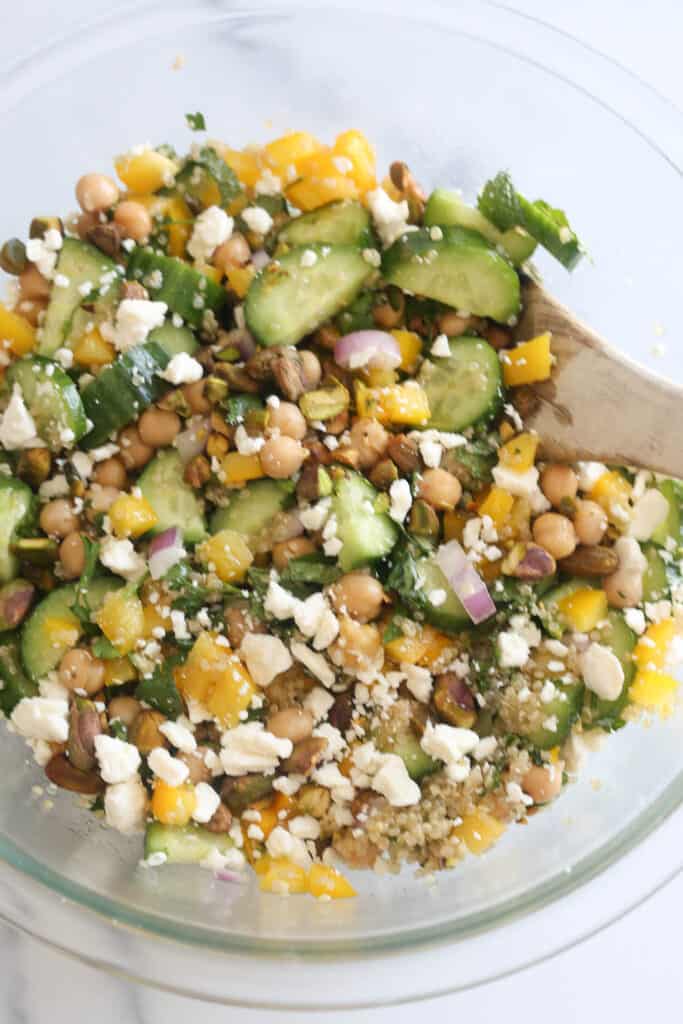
x=80, y=263
x=670, y=529
x=123, y=390
x=17, y=511
x=185, y=290
x=461, y=270
x=252, y=509
x=174, y=340
x=655, y=579
x=447, y=209
x=287, y=300
x=366, y=535
x=616, y=635
x=343, y=222
x=565, y=708
x=186, y=844
x=407, y=745
x=173, y=500
x=450, y=615
x=53, y=400
x=465, y=388
x=52, y=628
x=548, y=606
x=14, y=685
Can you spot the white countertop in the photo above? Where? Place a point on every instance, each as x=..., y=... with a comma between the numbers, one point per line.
x=627, y=972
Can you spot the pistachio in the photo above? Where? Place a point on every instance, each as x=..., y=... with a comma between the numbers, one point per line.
x=325, y=403
x=144, y=732
x=424, y=521
x=197, y=471
x=305, y=756
x=454, y=700
x=216, y=389
x=237, y=378
x=62, y=773
x=341, y=712
x=221, y=821
x=84, y=725
x=593, y=560
x=404, y=452
x=239, y=792
x=383, y=474
x=313, y=800
x=133, y=290
x=535, y=564
x=39, y=551
x=39, y=226
x=107, y=238
x=15, y=601
x=176, y=401
x=13, y=257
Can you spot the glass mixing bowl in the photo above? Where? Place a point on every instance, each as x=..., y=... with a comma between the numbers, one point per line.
x=458, y=93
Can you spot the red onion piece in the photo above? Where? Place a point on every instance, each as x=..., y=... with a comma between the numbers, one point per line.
x=260, y=259
x=165, y=551
x=244, y=340
x=192, y=441
x=377, y=349
x=465, y=581
x=230, y=876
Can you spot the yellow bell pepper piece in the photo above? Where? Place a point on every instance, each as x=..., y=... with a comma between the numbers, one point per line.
x=454, y=521
x=519, y=454
x=527, y=363
x=122, y=620
x=213, y=273
x=153, y=620
x=479, y=831
x=173, y=805
x=247, y=164
x=320, y=182
x=93, y=350
x=118, y=671
x=226, y=554
x=584, y=609
x=61, y=631
x=327, y=881
x=652, y=647
x=239, y=279
x=145, y=172
x=238, y=468
x=423, y=647
x=410, y=345
x=355, y=147
x=497, y=505
x=288, y=151
x=16, y=330
x=613, y=492
x=654, y=690
x=404, y=404
x=131, y=516
x=281, y=875
x=214, y=676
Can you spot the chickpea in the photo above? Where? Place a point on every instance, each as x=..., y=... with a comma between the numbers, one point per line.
x=58, y=518
x=559, y=483
x=370, y=440
x=101, y=498
x=126, y=709
x=72, y=556
x=282, y=457
x=624, y=588
x=543, y=782
x=32, y=284
x=195, y=398
x=78, y=670
x=590, y=522
x=111, y=473
x=293, y=724
x=440, y=489
x=555, y=533
x=358, y=646
x=158, y=427
x=359, y=595
x=453, y=324
x=195, y=762
x=134, y=452
x=134, y=220
x=96, y=192
x=388, y=315
x=311, y=370
x=288, y=419
x=233, y=253
x=294, y=548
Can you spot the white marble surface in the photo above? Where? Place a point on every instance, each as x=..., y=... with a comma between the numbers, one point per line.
x=625, y=973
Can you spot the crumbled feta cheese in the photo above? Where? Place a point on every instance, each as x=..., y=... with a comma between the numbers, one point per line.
x=314, y=662
x=121, y=557
x=522, y=485
x=246, y=444
x=257, y=219
x=308, y=614
x=485, y=748
x=318, y=702
x=314, y=517
x=265, y=656
x=516, y=794
x=589, y=473
x=211, y=228
x=602, y=672
x=279, y=602
x=42, y=718
x=419, y=681
x=43, y=252
x=513, y=650
x=207, y=802
x=281, y=843
x=450, y=744
x=179, y=736
x=372, y=257
x=119, y=761
x=401, y=500
x=441, y=349
x=333, y=546
x=649, y=512
x=394, y=783
x=524, y=627
x=656, y=611
x=65, y=357
x=635, y=620
x=232, y=860
x=125, y=805
x=268, y=184
x=631, y=558
x=135, y=318
x=435, y=233
x=249, y=748
x=304, y=826
x=57, y=487
x=18, y=428
x=309, y=258
x=105, y=451
x=182, y=369
x=390, y=218
x=288, y=784
x=548, y=690
x=329, y=776
x=83, y=464
x=431, y=452
x=336, y=743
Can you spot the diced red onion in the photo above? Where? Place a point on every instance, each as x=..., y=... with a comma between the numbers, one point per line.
x=165, y=551
x=465, y=581
x=230, y=876
x=192, y=441
x=260, y=259
x=377, y=349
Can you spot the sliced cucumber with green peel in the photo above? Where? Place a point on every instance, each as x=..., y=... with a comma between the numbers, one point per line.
x=461, y=269
x=448, y=615
x=173, y=500
x=185, y=290
x=17, y=512
x=655, y=579
x=446, y=208
x=407, y=745
x=288, y=299
x=253, y=508
x=80, y=264
x=184, y=844
x=465, y=388
x=366, y=535
x=562, y=711
x=174, y=340
x=53, y=400
x=14, y=685
x=343, y=222
x=123, y=390
x=670, y=530
x=621, y=640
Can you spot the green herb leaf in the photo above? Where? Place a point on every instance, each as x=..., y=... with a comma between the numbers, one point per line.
x=103, y=648
x=196, y=122
x=392, y=632
x=119, y=729
x=160, y=692
x=81, y=606
x=216, y=167
x=309, y=571
x=238, y=407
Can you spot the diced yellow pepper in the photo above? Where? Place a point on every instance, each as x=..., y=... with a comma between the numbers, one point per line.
x=238, y=468
x=355, y=147
x=180, y=227
x=454, y=521
x=654, y=690
x=527, y=363
x=213, y=273
x=118, y=671
x=288, y=151
x=554, y=754
x=479, y=831
x=16, y=330
x=145, y=172
x=327, y=881
x=584, y=609
x=409, y=649
x=519, y=454
x=122, y=619
x=404, y=404
x=239, y=279
x=410, y=345
x=131, y=516
x=273, y=811
x=173, y=805
x=320, y=182
x=61, y=631
x=378, y=377
x=92, y=350
x=226, y=554
x=281, y=875
x=153, y=620
x=652, y=647
x=613, y=492
x=247, y=164
x=214, y=676
x=497, y=505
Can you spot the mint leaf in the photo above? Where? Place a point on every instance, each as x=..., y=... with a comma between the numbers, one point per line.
x=196, y=122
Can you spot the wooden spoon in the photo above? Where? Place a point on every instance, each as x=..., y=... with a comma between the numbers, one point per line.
x=598, y=405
